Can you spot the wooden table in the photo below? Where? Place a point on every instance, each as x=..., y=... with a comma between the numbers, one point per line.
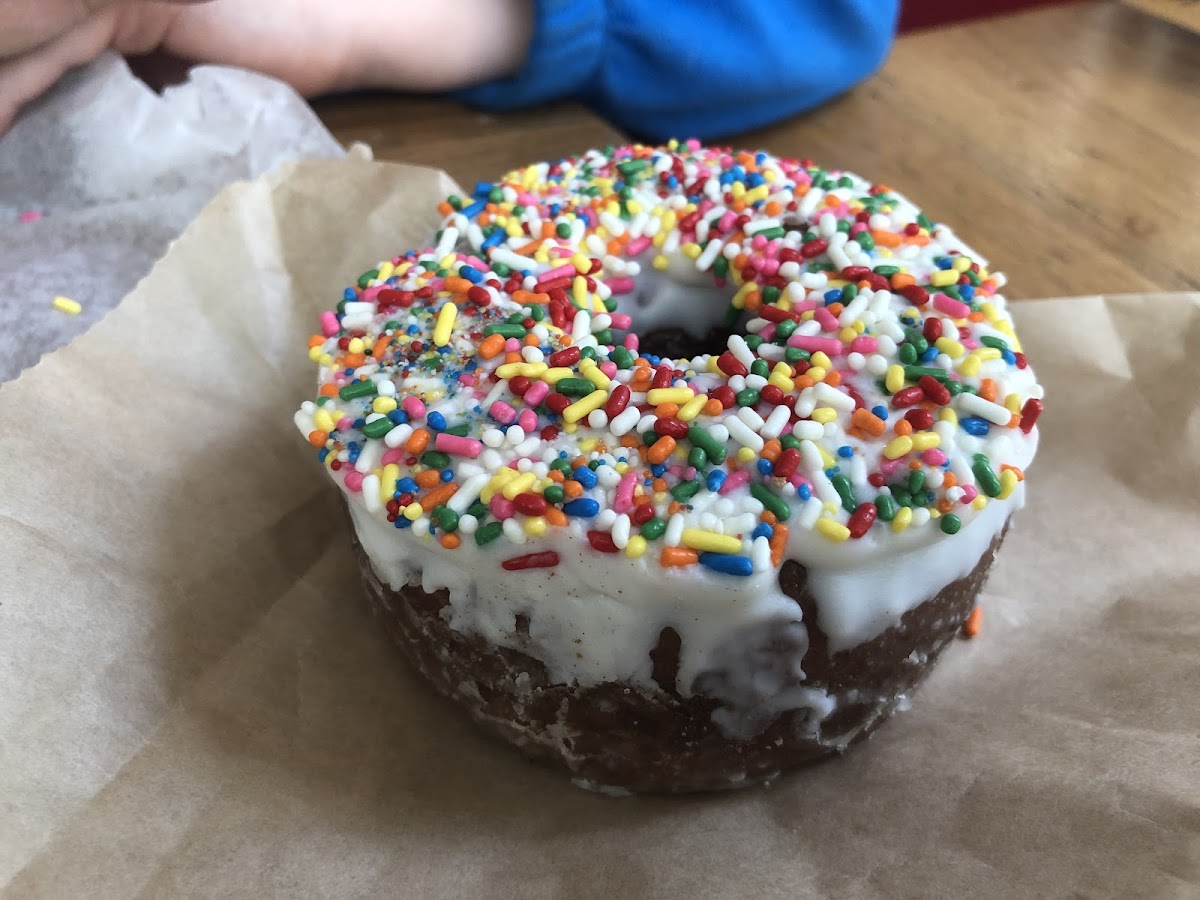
x=1063, y=143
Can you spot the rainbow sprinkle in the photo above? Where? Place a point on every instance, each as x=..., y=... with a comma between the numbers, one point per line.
x=491, y=388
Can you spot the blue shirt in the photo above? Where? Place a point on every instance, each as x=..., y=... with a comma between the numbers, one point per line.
x=705, y=68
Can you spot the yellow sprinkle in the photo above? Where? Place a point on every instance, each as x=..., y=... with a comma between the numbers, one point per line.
x=979, y=502
x=622, y=468
x=501, y=478
x=552, y=376
x=969, y=367
x=386, y=271
x=902, y=519
x=633, y=206
x=669, y=395
x=383, y=405
x=711, y=366
x=943, y=278
x=447, y=261
x=668, y=221
x=710, y=541
x=739, y=299
x=691, y=409
x=67, y=305
x=588, y=445
x=584, y=405
x=948, y=415
x=323, y=420
x=529, y=370
x=1008, y=484
x=513, y=228
x=986, y=353
x=738, y=189
x=581, y=263
x=950, y=347
x=893, y=378
x=835, y=531
x=1012, y=403
x=961, y=264
x=988, y=308
x=593, y=374
x=925, y=440
x=847, y=334
x=746, y=456
x=387, y=481
x=691, y=250
x=315, y=353
x=824, y=415
x=356, y=345
x=660, y=262
x=445, y=324
x=579, y=290
x=519, y=485
x=898, y=446
x=413, y=511
x=636, y=546
x=820, y=359
x=782, y=382
x=859, y=326
x=816, y=373
x=535, y=526
x=325, y=360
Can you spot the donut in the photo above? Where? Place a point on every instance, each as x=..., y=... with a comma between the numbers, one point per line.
x=676, y=466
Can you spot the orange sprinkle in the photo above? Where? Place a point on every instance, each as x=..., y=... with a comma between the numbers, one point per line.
x=677, y=557
x=381, y=346
x=630, y=440
x=975, y=316
x=772, y=208
x=738, y=206
x=555, y=516
x=456, y=285
x=753, y=301
x=527, y=297
x=490, y=347
x=869, y=422
x=547, y=229
x=771, y=450
x=902, y=280
x=555, y=475
x=835, y=308
x=674, y=507
x=315, y=341
x=661, y=449
x=573, y=489
x=528, y=249
x=430, y=478
x=914, y=464
x=445, y=208
x=987, y=389
x=833, y=378
x=886, y=238
x=353, y=360
x=531, y=340
x=660, y=485
x=803, y=381
x=418, y=442
x=328, y=390
x=438, y=495
x=767, y=516
x=513, y=356
x=778, y=543
x=1019, y=471
x=944, y=506
x=666, y=410
x=974, y=621
x=902, y=426
x=450, y=541
x=948, y=480
x=318, y=437
x=713, y=408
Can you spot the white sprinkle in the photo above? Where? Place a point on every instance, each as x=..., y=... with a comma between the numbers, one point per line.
x=514, y=434
x=370, y=492
x=741, y=433
x=624, y=423
x=605, y=518
x=741, y=350
x=398, y=436
x=620, y=531
x=750, y=417
x=468, y=524
x=776, y=422
x=597, y=418
x=446, y=244
x=491, y=437
x=674, y=532
x=467, y=494
x=974, y=405
x=705, y=260
x=831, y=396
x=368, y=457
x=808, y=430
x=760, y=554
x=513, y=531
x=808, y=513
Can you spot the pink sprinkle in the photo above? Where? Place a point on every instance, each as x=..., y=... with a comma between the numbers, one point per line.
x=621, y=285
x=827, y=319
x=768, y=332
x=369, y=295
x=354, y=481
x=621, y=321
x=631, y=342
x=797, y=480
x=394, y=455
x=804, y=306
x=773, y=251
x=512, y=345
x=933, y=457
x=637, y=246
x=413, y=406
x=706, y=205
x=675, y=470
x=527, y=199
x=858, y=228
x=735, y=481
x=609, y=368
x=887, y=467
x=457, y=446
x=478, y=263
x=560, y=272
x=970, y=343
x=689, y=473
x=770, y=267
x=527, y=420
x=466, y=379
x=329, y=324
x=623, y=499
x=503, y=413
x=345, y=423
x=970, y=492
x=812, y=343
x=30, y=215
x=501, y=508
x=758, y=242
x=950, y=306
x=864, y=344
x=537, y=393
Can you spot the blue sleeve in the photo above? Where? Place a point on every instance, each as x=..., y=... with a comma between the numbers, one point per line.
x=675, y=68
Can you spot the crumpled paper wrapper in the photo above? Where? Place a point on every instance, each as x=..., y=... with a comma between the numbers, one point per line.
x=196, y=702
x=101, y=173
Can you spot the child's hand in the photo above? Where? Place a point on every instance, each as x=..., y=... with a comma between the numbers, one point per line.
x=317, y=46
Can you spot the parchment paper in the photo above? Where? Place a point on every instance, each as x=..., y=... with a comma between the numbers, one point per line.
x=101, y=173
x=195, y=702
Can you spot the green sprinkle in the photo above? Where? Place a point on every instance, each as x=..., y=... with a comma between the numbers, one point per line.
x=908, y=354
x=770, y=293
x=561, y=465
x=462, y=429
x=686, y=490
x=574, y=387
x=478, y=509
x=923, y=221
x=901, y=495
x=886, y=507
x=951, y=523
x=356, y=389
x=771, y=501
x=753, y=341
x=485, y=534
x=505, y=331
x=747, y=397
x=367, y=277
x=650, y=437
x=446, y=518
x=865, y=240
x=603, y=336
x=914, y=373
x=554, y=494
x=562, y=229
x=623, y=358
x=845, y=490
x=794, y=355
x=720, y=266
x=916, y=482
x=697, y=457
x=706, y=442
x=378, y=427
x=784, y=329
x=654, y=529
x=849, y=292
x=994, y=342
x=955, y=388
x=435, y=459
x=887, y=271
x=982, y=467
x=760, y=367
x=790, y=442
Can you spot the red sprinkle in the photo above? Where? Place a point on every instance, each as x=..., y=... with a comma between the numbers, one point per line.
x=557, y=402
x=772, y=394
x=909, y=396
x=920, y=419
x=568, y=356
x=724, y=395
x=546, y=559
x=530, y=504
x=730, y=365
x=675, y=428
x=478, y=295
x=601, y=541
x=785, y=465
x=861, y=519
x=1029, y=414
x=932, y=329
x=915, y=294
x=617, y=401
x=642, y=513
x=393, y=297
x=662, y=377
x=934, y=390
x=815, y=247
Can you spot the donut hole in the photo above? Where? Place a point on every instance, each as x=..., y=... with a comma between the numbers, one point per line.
x=678, y=315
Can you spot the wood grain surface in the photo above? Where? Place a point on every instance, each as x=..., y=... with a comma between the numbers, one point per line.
x=1063, y=143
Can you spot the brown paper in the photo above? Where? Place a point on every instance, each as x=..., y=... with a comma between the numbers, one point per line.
x=194, y=700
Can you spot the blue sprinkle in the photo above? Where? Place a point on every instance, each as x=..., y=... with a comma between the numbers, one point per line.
x=323, y=454
x=975, y=425
x=832, y=470
x=359, y=423
x=584, y=507
x=413, y=329
x=353, y=456
x=1009, y=357
x=482, y=189
x=879, y=412
x=945, y=263
x=765, y=467
x=406, y=486
x=586, y=477
x=398, y=417
x=762, y=530
x=402, y=522
x=929, y=355
x=727, y=563
x=967, y=292
x=474, y=209
x=715, y=479
x=349, y=294
x=436, y=421
x=754, y=180
x=447, y=475
x=470, y=273
x=672, y=182
x=658, y=470
x=833, y=296
x=845, y=451
x=496, y=237
x=804, y=492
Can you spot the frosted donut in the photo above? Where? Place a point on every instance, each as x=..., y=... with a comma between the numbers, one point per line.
x=686, y=572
